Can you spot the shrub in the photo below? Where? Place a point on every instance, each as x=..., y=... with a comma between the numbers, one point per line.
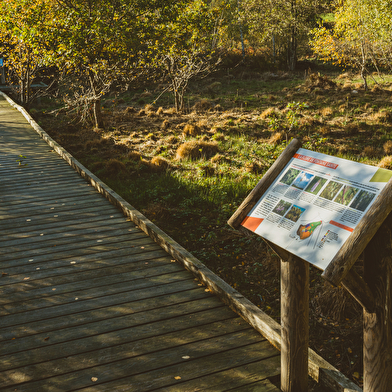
x=388, y=147
x=197, y=149
x=386, y=162
x=191, y=130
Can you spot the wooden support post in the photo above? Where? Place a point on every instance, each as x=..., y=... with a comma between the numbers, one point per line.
x=377, y=333
x=295, y=324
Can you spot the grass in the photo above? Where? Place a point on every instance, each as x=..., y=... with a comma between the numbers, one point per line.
x=233, y=129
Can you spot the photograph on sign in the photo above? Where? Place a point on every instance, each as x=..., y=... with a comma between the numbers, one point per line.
x=315, y=203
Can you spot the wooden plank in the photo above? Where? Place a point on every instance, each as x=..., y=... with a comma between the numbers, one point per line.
x=76, y=214
x=105, y=238
x=249, y=375
x=73, y=271
x=119, y=283
x=49, y=200
x=60, y=193
x=66, y=236
x=145, y=301
x=260, y=386
x=58, y=227
x=95, y=303
x=207, y=345
x=120, y=330
x=132, y=281
x=129, y=252
x=76, y=280
x=54, y=209
x=82, y=251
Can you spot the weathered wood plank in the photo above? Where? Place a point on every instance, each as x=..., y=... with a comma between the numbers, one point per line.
x=56, y=285
x=249, y=375
x=42, y=196
x=132, y=251
x=82, y=243
x=58, y=227
x=118, y=331
x=115, y=284
x=45, y=238
x=76, y=214
x=207, y=345
x=146, y=301
x=95, y=303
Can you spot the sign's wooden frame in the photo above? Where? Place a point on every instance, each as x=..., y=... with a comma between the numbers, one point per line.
x=295, y=282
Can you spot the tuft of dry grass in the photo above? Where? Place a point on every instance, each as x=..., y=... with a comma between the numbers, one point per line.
x=160, y=163
x=386, y=163
x=191, y=130
x=202, y=106
x=171, y=111
x=270, y=112
x=172, y=139
x=114, y=167
x=276, y=138
x=324, y=130
x=197, y=149
x=207, y=170
x=218, y=158
x=255, y=168
x=165, y=124
x=370, y=151
x=326, y=111
x=382, y=116
x=159, y=111
x=387, y=147
x=219, y=137
x=134, y=156
x=130, y=109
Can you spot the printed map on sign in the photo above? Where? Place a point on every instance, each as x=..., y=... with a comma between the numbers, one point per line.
x=315, y=203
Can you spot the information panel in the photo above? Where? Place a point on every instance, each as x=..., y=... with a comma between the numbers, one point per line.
x=315, y=203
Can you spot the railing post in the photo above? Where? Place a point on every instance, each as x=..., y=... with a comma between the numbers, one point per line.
x=295, y=324
x=377, y=326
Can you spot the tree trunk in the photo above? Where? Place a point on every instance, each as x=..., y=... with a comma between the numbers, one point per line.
x=377, y=336
x=96, y=102
x=98, y=113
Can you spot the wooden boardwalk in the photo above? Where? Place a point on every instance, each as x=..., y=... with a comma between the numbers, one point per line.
x=89, y=302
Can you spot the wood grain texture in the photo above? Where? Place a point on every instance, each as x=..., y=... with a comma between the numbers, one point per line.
x=268, y=178
x=377, y=361
x=295, y=324
x=360, y=237
x=88, y=300
x=359, y=289
x=319, y=369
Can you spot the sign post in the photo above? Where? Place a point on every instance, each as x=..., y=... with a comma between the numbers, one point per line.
x=319, y=209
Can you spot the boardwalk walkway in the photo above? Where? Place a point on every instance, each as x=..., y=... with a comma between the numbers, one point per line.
x=89, y=302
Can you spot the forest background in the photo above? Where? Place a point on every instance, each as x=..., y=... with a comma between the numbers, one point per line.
x=181, y=106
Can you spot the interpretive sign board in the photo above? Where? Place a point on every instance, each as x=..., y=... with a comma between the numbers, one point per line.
x=315, y=203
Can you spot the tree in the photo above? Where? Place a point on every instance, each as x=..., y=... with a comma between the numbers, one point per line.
x=189, y=45
x=285, y=22
x=99, y=40
x=360, y=37
x=24, y=54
